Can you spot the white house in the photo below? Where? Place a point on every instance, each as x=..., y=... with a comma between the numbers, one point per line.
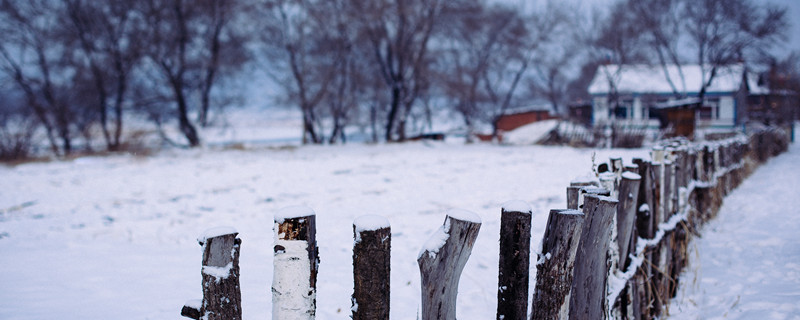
x=639, y=88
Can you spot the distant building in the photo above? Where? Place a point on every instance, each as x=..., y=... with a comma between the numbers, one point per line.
x=641, y=88
x=580, y=112
x=519, y=117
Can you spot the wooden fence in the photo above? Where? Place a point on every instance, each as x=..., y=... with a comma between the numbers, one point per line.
x=615, y=253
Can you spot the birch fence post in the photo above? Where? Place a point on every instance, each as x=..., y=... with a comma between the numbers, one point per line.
x=296, y=261
x=515, y=252
x=441, y=261
x=222, y=298
x=371, y=268
x=590, y=275
x=555, y=266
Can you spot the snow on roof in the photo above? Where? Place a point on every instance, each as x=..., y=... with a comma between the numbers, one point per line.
x=678, y=103
x=652, y=79
x=528, y=108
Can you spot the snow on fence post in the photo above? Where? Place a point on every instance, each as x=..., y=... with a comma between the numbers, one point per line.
x=586, y=191
x=441, y=261
x=556, y=263
x=222, y=298
x=575, y=190
x=371, y=267
x=608, y=180
x=296, y=261
x=592, y=266
x=515, y=252
x=631, y=168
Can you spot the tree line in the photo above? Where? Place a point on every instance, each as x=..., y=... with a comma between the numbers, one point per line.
x=73, y=68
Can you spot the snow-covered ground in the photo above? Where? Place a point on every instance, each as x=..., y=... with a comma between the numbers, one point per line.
x=115, y=237
x=746, y=265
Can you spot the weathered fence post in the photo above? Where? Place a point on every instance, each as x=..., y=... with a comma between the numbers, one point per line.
x=590, y=275
x=296, y=261
x=575, y=191
x=644, y=296
x=371, y=267
x=626, y=235
x=555, y=266
x=222, y=298
x=515, y=252
x=597, y=191
x=626, y=214
x=441, y=261
x=573, y=196
x=608, y=180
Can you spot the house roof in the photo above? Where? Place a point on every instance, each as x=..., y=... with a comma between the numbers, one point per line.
x=527, y=108
x=653, y=79
x=678, y=103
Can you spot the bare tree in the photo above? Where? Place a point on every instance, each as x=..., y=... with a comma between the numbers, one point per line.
x=188, y=47
x=301, y=57
x=725, y=32
x=660, y=22
x=224, y=51
x=170, y=38
x=105, y=35
x=612, y=38
x=471, y=38
x=518, y=52
x=17, y=125
x=31, y=56
x=399, y=34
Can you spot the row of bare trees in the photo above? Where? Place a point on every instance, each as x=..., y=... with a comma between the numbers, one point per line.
x=386, y=64
x=73, y=68
x=78, y=65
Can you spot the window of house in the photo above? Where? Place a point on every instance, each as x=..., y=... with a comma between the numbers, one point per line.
x=624, y=109
x=653, y=112
x=710, y=109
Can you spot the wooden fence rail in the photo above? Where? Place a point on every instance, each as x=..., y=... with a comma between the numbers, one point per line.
x=616, y=252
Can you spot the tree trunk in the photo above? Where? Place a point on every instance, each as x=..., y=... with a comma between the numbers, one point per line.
x=185, y=125
x=391, y=118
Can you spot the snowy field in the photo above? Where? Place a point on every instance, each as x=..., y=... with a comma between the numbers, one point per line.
x=114, y=237
x=747, y=263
